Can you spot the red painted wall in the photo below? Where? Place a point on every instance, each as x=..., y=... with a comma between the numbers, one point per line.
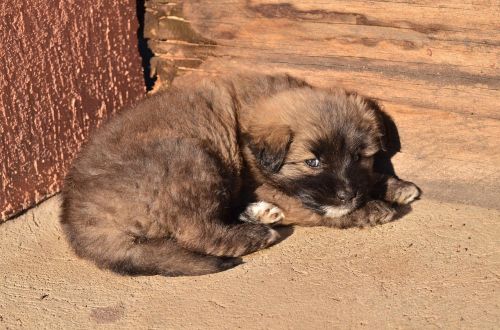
x=65, y=66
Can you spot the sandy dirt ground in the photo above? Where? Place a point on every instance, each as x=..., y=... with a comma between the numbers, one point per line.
x=438, y=267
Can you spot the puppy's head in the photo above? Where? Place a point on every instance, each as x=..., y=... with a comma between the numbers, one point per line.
x=317, y=146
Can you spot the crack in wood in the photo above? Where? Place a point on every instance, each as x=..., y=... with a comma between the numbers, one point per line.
x=289, y=11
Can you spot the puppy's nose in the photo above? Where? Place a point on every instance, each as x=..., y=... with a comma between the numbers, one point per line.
x=345, y=195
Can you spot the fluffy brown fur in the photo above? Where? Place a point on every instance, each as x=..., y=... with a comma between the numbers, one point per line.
x=160, y=189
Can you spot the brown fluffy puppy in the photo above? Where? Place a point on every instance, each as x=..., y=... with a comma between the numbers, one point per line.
x=159, y=189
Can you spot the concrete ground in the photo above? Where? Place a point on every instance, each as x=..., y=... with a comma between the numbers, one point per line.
x=438, y=267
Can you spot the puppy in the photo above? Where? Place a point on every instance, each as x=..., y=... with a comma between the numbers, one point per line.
x=159, y=190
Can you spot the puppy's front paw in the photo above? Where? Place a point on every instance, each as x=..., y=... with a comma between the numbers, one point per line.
x=376, y=213
x=404, y=192
x=262, y=212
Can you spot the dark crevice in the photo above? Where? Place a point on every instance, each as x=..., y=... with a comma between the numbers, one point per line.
x=142, y=45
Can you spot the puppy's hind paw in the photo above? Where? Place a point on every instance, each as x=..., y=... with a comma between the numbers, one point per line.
x=262, y=212
x=274, y=236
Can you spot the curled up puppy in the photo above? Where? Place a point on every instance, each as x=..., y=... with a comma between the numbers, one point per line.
x=160, y=189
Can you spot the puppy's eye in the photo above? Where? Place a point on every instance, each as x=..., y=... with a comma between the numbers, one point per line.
x=356, y=157
x=313, y=162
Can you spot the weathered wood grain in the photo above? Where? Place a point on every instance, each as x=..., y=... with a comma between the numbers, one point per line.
x=441, y=55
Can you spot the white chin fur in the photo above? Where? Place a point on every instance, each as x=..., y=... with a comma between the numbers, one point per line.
x=335, y=212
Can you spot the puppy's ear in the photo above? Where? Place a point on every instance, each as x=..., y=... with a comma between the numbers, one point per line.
x=269, y=145
x=389, y=140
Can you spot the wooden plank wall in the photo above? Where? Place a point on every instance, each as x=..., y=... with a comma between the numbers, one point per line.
x=420, y=54
x=434, y=65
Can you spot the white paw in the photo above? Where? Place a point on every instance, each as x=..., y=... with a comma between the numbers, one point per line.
x=262, y=212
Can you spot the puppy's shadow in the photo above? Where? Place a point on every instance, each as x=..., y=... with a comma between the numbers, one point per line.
x=392, y=144
x=401, y=211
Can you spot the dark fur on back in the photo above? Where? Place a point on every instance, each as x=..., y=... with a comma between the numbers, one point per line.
x=158, y=189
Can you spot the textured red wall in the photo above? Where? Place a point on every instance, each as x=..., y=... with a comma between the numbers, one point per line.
x=65, y=66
